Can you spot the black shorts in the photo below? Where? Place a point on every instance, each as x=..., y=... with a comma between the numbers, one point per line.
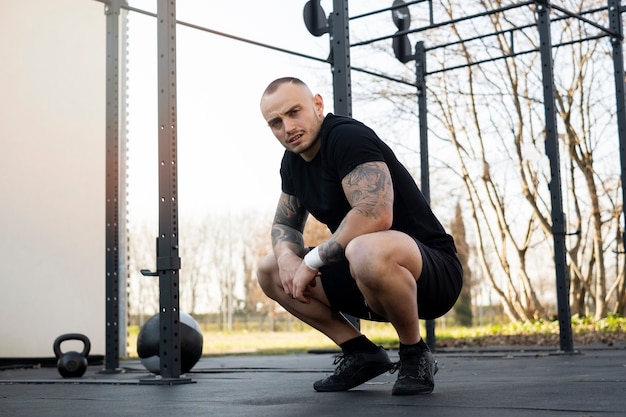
x=438, y=287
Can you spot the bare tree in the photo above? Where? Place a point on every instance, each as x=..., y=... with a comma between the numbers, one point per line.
x=198, y=243
x=143, y=292
x=463, y=307
x=257, y=245
x=489, y=120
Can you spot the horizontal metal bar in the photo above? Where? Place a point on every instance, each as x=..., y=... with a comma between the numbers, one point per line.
x=437, y=25
x=513, y=29
x=584, y=19
x=475, y=38
x=387, y=9
x=362, y=70
x=528, y=51
x=225, y=35
x=440, y=24
x=275, y=48
x=263, y=45
x=386, y=77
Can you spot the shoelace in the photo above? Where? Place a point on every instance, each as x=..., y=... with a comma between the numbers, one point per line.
x=343, y=360
x=422, y=369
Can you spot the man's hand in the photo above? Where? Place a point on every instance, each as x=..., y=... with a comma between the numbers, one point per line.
x=288, y=265
x=296, y=277
x=304, y=279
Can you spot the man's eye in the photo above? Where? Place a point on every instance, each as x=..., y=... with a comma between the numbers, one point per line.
x=275, y=124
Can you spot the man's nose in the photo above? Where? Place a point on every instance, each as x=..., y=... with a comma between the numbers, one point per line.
x=289, y=125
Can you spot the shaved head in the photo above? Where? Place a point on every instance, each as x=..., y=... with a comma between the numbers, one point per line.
x=294, y=115
x=273, y=86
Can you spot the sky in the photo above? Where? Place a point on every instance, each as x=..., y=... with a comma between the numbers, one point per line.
x=227, y=158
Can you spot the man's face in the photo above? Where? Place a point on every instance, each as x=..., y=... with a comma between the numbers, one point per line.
x=295, y=116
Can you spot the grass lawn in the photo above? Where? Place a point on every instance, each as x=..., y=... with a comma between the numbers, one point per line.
x=545, y=333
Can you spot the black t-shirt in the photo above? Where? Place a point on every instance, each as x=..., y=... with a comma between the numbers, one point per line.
x=345, y=144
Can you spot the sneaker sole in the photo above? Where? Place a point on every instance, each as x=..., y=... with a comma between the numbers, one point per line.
x=372, y=372
x=413, y=390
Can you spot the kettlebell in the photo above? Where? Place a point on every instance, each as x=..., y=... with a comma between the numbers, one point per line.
x=72, y=364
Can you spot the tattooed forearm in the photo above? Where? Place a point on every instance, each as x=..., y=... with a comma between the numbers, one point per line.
x=290, y=212
x=286, y=234
x=369, y=189
x=331, y=251
x=289, y=222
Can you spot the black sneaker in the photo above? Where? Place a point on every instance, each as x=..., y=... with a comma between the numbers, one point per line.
x=354, y=369
x=417, y=369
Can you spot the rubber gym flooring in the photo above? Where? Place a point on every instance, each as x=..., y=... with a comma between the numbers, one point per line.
x=492, y=381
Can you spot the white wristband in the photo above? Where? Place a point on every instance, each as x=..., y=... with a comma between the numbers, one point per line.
x=313, y=260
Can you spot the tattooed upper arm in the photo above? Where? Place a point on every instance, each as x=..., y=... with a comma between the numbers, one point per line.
x=369, y=189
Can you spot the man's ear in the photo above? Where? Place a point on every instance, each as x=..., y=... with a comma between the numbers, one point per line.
x=318, y=102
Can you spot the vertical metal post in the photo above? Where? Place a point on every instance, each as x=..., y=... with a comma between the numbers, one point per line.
x=122, y=202
x=111, y=361
x=420, y=82
x=339, y=34
x=552, y=150
x=168, y=261
x=615, y=24
x=340, y=51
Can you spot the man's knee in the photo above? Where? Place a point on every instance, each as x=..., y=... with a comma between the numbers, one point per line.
x=358, y=250
x=365, y=258
x=267, y=269
x=375, y=253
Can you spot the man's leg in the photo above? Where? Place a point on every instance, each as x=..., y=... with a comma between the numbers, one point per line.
x=361, y=360
x=386, y=267
x=317, y=314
